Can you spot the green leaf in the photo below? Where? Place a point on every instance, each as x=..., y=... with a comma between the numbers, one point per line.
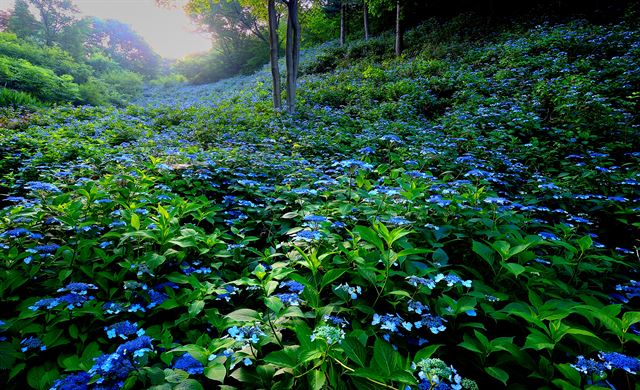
x=498, y=373
x=514, y=268
x=370, y=236
x=8, y=355
x=485, y=252
x=195, y=308
x=189, y=384
x=317, y=379
x=426, y=352
x=538, y=340
x=440, y=257
x=385, y=358
x=332, y=275
x=629, y=318
x=217, y=372
x=244, y=315
x=355, y=351
x=175, y=376
x=285, y=358
x=570, y=373
x=585, y=243
x=135, y=221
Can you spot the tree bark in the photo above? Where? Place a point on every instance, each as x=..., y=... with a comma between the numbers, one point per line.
x=293, y=53
x=366, y=20
x=343, y=31
x=398, y=29
x=273, y=45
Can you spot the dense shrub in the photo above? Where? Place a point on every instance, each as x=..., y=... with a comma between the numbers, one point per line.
x=11, y=98
x=52, y=58
x=40, y=82
x=420, y=222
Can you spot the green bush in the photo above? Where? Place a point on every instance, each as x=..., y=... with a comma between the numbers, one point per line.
x=43, y=83
x=169, y=80
x=54, y=58
x=12, y=98
x=127, y=84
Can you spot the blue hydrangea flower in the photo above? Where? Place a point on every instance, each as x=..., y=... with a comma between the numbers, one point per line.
x=617, y=360
x=75, y=381
x=140, y=343
x=246, y=334
x=293, y=286
x=123, y=329
x=309, y=235
x=78, y=288
x=335, y=320
x=589, y=366
x=289, y=299
x=41, y=186
x=32, y=343
x=331, y=334
x=353, y=292
x=189, y=364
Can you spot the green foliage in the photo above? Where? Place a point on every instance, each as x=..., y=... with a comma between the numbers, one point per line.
x=42, y=83
x=419, y=217
x=11, y=98
x=52, y=58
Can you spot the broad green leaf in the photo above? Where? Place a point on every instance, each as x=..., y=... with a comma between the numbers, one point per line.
x=189, y=384
x=485, y=252
x=244, y=315
x=385, y=357
x=195, y=308
x=370, y=236
x=216, y=372
x=355, y=351
x=285, y=358
x=515, y=268
x=135, y=221
x=498, y=373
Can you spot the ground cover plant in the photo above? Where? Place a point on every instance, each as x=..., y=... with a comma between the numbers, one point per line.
x=423, y=222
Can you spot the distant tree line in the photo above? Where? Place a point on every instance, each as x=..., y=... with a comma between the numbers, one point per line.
x=51, y=54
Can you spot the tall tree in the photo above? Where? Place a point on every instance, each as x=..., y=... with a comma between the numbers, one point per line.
x=377, y=7
x=292, y=52
x=22, y=22
x=124, y=45
x=365, y=19
x=274, y=51
x=55, y=16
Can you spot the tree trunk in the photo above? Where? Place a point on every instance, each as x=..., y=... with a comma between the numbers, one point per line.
x=293, y=53
x=343, y=31
x=398, y=29
x=366, y=20
x=273, y=44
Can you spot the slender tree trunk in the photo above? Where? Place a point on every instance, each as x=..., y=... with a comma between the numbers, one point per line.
x=398, y=29
x=293, y=53
x=273, y=44
x=366, y=20
x=343, y=31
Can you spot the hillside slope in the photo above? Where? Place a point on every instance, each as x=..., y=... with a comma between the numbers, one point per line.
x=472, y=213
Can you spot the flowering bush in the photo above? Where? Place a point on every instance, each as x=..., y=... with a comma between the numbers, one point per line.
x=429, y=224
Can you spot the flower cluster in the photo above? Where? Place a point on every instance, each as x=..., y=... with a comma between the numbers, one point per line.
x=189, y=364
x=123, y=330
x=450, y=280
x=435, y=374
x=351, y=292
x=331, y=334
x=76, y=297
x=246, y=334
x=607, y=361
x=292, y=297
